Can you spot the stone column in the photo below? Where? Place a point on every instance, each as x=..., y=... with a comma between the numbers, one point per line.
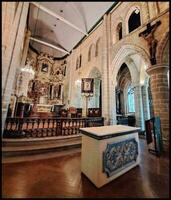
x=12, y=55
x=138, y=106
x=26, y=47
x=145, y=13
x=153, y=10
x=145, y=101
x=105, y=93
x=160, y=96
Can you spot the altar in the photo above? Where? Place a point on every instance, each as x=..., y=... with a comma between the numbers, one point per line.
x=44, y=108
x=108, y=152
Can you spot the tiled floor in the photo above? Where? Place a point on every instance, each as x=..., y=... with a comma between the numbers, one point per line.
x=61, y=177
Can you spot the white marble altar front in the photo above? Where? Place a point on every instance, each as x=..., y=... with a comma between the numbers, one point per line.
x=108, y=152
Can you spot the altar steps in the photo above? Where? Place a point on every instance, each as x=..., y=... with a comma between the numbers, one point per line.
x=29, y=149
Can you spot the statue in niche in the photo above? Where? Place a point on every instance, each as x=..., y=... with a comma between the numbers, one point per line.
x=57, y=92
x=58, y=74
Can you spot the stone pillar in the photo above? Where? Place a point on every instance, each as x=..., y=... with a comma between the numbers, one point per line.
x=160, y=96
x=84, y=106
x=105, y=93
x=153, y=10
x=26, y=47
x=145, y=13
x=138, y=106
x=145, y=101
x=12, y=55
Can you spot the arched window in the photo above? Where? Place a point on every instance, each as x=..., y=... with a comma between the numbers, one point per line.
x=130, y=99
x=80, y=59
x=97, y=47
x=134, y=20
x=77, y=63
x=119, y=31
x=89, y=53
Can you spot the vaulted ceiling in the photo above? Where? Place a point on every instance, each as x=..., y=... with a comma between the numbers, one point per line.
x=49, y=28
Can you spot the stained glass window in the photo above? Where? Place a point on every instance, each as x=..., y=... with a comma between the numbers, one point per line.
x=131, y=103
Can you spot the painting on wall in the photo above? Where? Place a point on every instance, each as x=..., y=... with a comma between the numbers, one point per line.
x=87, y=85
x=44, y=67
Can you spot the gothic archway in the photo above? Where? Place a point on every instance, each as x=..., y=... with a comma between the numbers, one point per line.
x=137, y=61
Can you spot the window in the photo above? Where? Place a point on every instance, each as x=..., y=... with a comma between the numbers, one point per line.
x=119, y=31
x=130, y=99
x=134, y=20
x=80, y=61
x=97, y=47
x=89, y=53
x=77, y=63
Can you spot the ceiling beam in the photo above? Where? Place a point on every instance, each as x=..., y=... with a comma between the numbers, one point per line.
x=50, y=12
x=48, y=44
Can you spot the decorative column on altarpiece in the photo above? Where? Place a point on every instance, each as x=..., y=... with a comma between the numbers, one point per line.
x=160, y=96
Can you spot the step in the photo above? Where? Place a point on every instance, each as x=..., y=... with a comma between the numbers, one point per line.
x=40, y=156
x=27, y=149
x=39, y=143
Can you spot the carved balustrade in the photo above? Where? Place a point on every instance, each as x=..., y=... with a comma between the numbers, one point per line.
x=47, y=127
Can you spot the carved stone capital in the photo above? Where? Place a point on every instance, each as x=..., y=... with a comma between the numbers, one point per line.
x=158, y=68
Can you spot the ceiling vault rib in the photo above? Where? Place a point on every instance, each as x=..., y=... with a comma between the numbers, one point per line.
x=57, y=16
x=48, y=44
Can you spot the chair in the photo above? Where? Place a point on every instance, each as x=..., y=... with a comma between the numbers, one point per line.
x=72, y=111
x=79, y=112
x=154, y=135
x=64, y=113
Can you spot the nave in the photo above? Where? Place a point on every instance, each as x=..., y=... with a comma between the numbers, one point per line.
x=61, y=177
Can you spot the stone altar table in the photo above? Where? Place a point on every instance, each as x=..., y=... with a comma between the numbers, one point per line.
x=108, y=152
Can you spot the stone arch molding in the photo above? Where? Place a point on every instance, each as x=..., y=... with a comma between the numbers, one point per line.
x=91, y=51
x=129, y=12
x=97, y=50
x=123, y=55
x=161, y=46
x=95, y=73
x=114, y=30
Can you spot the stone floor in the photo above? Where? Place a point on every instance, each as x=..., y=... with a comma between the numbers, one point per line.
x=61, y=178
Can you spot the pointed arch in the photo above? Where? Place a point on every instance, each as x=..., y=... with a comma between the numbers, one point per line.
x=91, y=52
x=97, y=47
x=119, y=33
x=133, y=10
x=124, y=52
x=161, y=47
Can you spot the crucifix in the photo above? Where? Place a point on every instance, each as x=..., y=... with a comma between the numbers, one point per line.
x=148, y=35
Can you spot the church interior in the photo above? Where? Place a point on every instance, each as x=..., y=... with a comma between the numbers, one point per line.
x=85, y=99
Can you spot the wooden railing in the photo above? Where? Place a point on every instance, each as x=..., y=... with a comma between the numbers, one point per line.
x=47, y=127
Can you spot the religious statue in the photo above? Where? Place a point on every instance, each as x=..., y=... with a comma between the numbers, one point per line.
x=148, y=35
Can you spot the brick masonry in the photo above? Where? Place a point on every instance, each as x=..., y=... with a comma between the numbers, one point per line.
x=160, y=96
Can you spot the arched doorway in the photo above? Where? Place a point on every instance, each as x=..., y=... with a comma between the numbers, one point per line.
x=136, y=61
x=124, y=91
